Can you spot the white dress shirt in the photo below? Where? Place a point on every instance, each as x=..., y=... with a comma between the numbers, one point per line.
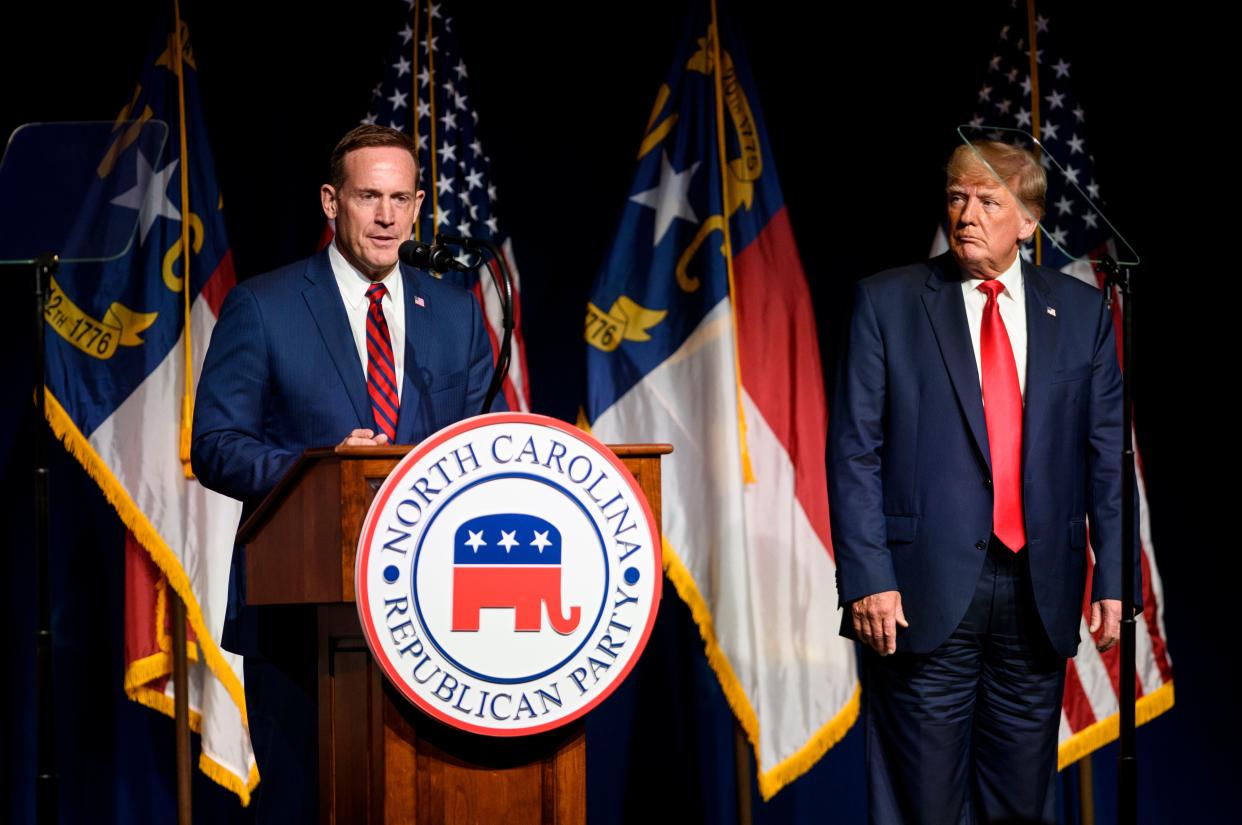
x=353, y=288
x=1012, y=304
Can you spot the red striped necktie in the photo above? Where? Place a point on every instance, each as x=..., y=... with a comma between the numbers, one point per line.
x=381, y=368
x=1002, y=408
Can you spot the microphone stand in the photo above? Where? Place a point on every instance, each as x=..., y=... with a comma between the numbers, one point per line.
x=503, y=280
x=45, y=771
x=1127, y=758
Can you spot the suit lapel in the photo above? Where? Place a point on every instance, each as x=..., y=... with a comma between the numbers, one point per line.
x=326, y=307
x=418, y=335
x=1042, y=331
x=947, y=312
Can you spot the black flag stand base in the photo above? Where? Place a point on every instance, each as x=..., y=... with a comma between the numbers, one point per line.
x=1127, y=759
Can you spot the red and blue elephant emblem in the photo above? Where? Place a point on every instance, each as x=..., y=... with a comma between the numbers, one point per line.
x=509, y=560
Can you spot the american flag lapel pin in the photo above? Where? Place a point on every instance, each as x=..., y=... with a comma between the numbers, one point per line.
x=419, y=302
x=1051, y=311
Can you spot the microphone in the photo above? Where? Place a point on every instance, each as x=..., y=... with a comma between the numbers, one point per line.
x=431, y=257
x=437, y=258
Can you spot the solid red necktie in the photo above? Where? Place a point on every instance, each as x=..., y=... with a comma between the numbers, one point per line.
x=1002, y=407
x=381, y=369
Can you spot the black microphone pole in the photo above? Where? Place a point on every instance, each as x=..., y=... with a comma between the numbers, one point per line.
x=45, y=769
x=1127, y=758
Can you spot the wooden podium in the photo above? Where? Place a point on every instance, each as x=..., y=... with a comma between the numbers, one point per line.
x=380, y=759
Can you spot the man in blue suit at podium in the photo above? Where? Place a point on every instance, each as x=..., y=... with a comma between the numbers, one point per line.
x=346, y=347
x=976, y=425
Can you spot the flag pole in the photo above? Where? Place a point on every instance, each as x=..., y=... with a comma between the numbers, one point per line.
x=433, y=181
x=1031, y=31
x=748, y=474
x=741, y=752
x=181, y=688
x=181, y=703
x=1086, y=791
x=741, y=767
x=414, y=71
x=187, y=396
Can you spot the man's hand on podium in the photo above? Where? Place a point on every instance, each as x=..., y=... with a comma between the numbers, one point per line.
x=364, y=438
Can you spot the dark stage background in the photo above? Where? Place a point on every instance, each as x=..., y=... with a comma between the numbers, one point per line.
x=860, y=101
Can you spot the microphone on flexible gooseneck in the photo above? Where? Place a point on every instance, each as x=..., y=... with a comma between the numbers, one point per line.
x=437, y=258
x=431, y=257
x=496, y=264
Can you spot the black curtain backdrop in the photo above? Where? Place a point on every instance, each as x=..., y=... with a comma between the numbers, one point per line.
x=860, y=102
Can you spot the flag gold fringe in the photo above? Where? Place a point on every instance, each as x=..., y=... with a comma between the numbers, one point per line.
x=165, y=704
x=770, y=781
x=162, y=640
x=223, y=776
x=162, y=702
x=146, y=534
x=1096, y=736
x=141, y=672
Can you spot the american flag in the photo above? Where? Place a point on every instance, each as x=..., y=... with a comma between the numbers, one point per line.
x=425, y=92
x=1003, y=101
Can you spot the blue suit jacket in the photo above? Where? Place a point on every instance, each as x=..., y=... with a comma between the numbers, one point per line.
x=283, y=374
x=908, y=463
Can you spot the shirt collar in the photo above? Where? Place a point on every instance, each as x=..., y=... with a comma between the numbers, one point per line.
x=353, y=284
x=1011, y=280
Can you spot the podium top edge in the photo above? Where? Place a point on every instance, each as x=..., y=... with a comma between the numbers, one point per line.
x=628, y=450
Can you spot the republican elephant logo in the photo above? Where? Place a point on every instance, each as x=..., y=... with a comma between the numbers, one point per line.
x=509, y=560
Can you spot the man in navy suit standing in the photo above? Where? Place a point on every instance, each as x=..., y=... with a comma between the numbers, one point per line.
x=346, y=347
x=975, y=427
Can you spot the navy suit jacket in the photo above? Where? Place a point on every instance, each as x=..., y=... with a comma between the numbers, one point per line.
x=283, y=374
x=908, y=463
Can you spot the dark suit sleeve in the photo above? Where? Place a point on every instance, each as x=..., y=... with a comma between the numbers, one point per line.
x=481, y=366
x=228, y=452
x=855, y=442
x=1105, y=434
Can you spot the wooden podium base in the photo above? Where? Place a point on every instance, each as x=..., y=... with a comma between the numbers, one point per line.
x=381, y=760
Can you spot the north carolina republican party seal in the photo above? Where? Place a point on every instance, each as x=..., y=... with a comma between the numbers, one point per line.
x=508, y=574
